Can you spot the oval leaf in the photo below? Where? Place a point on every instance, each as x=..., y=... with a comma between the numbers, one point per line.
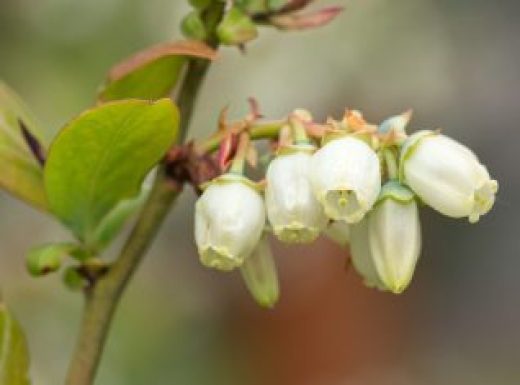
x=14, y=356
x=152, y=73
x=101, y=158
x=20, y=172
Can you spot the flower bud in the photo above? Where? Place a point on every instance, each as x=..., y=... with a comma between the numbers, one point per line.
x=339, y=232
x=260, y=275
x=294, y=213
x=361, y=255
x=193, y=27
x=394, y=128
x=447, y=176
x=229, y=219
x=236, y=28
x=346, y=179
x=394, y=236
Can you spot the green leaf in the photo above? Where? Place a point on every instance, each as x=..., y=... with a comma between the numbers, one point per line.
x=152, y=73
x=14, y=355
x=20, y=173
x=101, y=158
x=47, y=258
x=113, y=222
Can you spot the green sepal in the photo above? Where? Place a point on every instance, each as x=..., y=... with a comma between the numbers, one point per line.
x=291, y=149
x=234, y=178
x=395, y=191
x=339, y=134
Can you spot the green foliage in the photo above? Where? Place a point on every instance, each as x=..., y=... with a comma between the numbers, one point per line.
x=153, y=81
x=20, y=172
x=200, y=4
x=101, y=158
x=47, y=258
x=153, y=73
x=14, y=356
x=236, y=28
x=113, y=222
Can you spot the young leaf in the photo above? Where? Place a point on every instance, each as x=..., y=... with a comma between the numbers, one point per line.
x=101, y=158
x=113, y=222
x=297, y=21
x=152, y=73
x=47, y=258
x=14, y=356
x=20, y=172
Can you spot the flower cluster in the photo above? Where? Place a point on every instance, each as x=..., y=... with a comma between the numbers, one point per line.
x=350, y=179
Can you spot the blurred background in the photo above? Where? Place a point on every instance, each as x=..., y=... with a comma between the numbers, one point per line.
x=456, y=63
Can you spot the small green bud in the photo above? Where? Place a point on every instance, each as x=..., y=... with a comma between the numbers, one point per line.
x=47, y=258
x=73, y=279
x=236, y=28
x=260, y=276
x=193, y=27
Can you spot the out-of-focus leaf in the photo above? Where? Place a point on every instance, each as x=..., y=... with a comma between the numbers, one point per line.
x=20, y=172
x=294, y=5
x=152, y=73
x=101, y=158
x=200, y=4
x=47, y=258
x=253, y=6
x=296, y=21
x=14, y=355
x=113, y=222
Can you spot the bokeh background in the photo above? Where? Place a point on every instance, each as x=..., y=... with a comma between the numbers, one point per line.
x=455, y=62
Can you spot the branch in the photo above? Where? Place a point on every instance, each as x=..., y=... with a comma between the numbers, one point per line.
x=103, y=296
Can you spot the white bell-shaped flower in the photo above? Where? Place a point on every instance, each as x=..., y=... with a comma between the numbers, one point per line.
x=294, y=213
x=361, y=255
x=345, y=177
x=229, y=219
x=447, y=176
x=394, y=235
